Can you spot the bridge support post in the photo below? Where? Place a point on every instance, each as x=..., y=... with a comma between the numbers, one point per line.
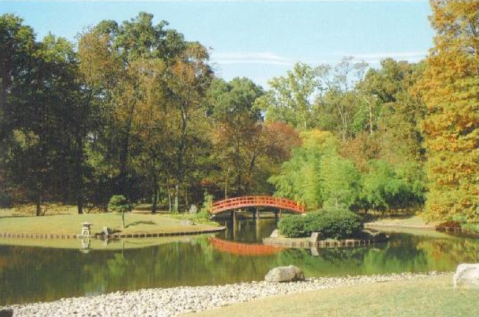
x=257, y=214
x=276, y=215
x=235, y=223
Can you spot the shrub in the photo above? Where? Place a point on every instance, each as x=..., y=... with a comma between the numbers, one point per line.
x=119, y=203
x=333, y=223
x=207, y=204
x=292, y=226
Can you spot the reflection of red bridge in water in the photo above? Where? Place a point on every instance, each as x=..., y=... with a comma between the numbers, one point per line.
x=244, y=249
x=256, y=201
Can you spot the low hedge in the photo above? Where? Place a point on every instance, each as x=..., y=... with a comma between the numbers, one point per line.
x=292, y=226
x=330, y=223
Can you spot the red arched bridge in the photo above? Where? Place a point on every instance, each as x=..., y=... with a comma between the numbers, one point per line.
x=256, y=201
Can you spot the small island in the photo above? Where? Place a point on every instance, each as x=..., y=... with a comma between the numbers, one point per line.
x=328, y=227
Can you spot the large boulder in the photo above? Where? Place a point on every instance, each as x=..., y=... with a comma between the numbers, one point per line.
x=467, y=276
x=284, y=274
x=6, y=313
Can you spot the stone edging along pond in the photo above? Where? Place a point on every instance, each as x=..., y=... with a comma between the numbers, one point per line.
x=306, y=243
x=111, y=236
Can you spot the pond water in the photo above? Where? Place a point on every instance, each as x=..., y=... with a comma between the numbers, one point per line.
x=31, y=274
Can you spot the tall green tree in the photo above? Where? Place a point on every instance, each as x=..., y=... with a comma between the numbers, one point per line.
x=291, y=97
x=300, y=177
x=237, y=131
x=337, y=105
x=38, y=157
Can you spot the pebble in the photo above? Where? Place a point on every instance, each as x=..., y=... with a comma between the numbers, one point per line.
x=166, y=302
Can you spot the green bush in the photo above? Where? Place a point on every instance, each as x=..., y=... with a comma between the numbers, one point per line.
x=119, y=203
x=207, y=204
x=292, y=226
x=333, y=223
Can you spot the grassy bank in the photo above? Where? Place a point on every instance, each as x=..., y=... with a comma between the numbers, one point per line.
x=423, y=297
x=71, y=223
x=414, y=222
x=96, y=244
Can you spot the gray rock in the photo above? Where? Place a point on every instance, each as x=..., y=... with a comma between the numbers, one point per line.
x=315, y=237
x=193, y=209
x=274, y=234
x=106, y=231
x=6, y=312
x=467, y=276
x=284, y=274
x=187, y=223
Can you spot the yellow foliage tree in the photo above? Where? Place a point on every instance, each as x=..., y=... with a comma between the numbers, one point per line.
x=450, y=89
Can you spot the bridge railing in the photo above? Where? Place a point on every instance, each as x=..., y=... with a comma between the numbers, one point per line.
x=251, y=201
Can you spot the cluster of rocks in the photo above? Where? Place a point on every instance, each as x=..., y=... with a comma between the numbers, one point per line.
x=180, y=300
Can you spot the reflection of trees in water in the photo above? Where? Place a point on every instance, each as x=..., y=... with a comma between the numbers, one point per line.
x=458, y=251
x=38, y=274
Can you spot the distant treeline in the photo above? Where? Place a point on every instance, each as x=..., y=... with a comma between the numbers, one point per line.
x=133, y=108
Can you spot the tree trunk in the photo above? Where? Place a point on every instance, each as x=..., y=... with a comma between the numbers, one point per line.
x=125, y=147
x=39, y=201
x=79, y=175
x=226, y=182
x=177, y=190
x=155, y=194
x=123, y=167
x=187, y=203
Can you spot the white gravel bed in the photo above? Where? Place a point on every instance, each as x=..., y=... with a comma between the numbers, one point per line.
x=163, y=302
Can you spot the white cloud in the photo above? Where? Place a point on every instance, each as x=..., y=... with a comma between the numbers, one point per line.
x=264, y=58
x=377, y=57
x=272, y=59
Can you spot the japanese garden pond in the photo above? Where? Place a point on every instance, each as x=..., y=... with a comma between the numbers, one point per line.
x=32, y=274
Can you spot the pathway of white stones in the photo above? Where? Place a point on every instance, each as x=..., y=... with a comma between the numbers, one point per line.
x=165, y=302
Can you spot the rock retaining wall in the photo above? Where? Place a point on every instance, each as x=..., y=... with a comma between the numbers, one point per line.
x=304, y=243
x=111, y=236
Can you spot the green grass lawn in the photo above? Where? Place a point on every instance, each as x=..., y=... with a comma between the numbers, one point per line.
x=431, y=297
x=71, y=224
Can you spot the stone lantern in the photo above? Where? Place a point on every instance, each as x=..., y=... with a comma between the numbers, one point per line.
x=85, y=230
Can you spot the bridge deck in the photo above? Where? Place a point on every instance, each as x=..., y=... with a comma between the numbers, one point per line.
x=256, y=201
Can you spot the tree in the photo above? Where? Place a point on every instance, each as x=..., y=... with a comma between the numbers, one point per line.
x=341, y=182
x=188, y=80
x=237, y=135
x=119, y=203
x=336, y=107
x=299, y=178
x=290, y=98
x=17, y=47
x=450, y=89
x=383, y=189
x=130, y=70
x=396, y=110
x=38, y=91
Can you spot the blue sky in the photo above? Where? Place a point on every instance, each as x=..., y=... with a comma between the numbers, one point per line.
x=259, y=39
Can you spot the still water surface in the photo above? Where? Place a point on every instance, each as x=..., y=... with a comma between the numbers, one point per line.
x=31, y=274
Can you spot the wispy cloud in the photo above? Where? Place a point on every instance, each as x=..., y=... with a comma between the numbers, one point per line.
x=268, y=58
x=377, y=57
x=264, y=58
